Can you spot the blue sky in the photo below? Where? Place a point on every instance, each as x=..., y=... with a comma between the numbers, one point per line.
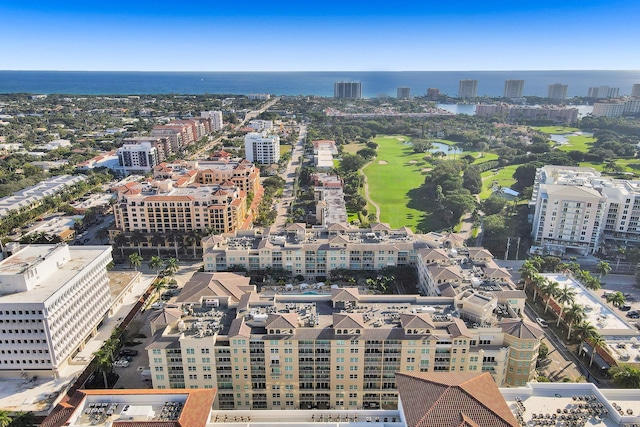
x=319, y=35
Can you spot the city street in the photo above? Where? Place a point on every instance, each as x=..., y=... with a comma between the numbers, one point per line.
x=284, y=204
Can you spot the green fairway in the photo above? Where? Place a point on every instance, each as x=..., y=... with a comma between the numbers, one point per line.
x=557, y=130
x=504, y=178
x=392, y=176
x=578, y=143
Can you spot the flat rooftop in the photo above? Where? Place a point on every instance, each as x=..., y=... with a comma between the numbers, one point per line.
x=306, y=418
x=606, y=320
x=573, y=402
x=81, y=256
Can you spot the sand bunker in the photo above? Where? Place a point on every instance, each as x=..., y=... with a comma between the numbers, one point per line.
x=383, y=162
x=411, y=162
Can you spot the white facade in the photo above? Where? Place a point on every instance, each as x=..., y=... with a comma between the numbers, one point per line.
x=216, y=119
x=261, y=147
x=576, y=208
x=608, y=109
x=52, y=298
x=138, y=158
x=557, y=91
x=513, y=88
x=468, y=89
x=261, y=125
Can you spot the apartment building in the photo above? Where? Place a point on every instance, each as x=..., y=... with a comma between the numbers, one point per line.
x=557, y=91
x=468, y=89
x=180, y=205
x=138, y=158
x=52, y=299
x=242, y=173
x=603, y=92
x=578, y=209
x=513, y=88
x=215, y=119
x=616, y=108
x=315, y=252
x=331, y=350
x=518, y=112
x=635, y=90
x=348, y=90
x=261, y=147
x=403, y=92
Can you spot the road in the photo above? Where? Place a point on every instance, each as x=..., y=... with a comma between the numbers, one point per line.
x=284, y=205
x=560, y=361
x=250, y=115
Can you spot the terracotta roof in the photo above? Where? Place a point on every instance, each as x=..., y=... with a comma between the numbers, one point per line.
x=239, y=328
x=282, y=321
x=421, y=321
x=443, y=399
x=221, y=284
x=479, y=253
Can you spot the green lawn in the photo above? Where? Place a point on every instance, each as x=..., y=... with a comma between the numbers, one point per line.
x=353, y=148
x=504, y=178
x=392, y=176
x=558, y=130
x=578, y=143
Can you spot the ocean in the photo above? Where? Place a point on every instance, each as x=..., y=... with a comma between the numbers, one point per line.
x=374, y=83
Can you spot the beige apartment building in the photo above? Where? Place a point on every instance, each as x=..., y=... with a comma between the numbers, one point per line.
x=315, y=252
x=336, y=349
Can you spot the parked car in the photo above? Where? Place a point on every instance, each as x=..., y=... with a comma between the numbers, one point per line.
x=625, y=307
x=157, y=305
x=165, y=296
x=173, y=286
x=121, y=363
x=542, y=322
x=633, y=314
x=128, y=352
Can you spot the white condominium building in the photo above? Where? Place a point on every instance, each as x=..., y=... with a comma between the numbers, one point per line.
x=138, y=158
x=52, y=298
x=576, y=208
x=337, y=348
x=261, y=125
x=262, y=148
x=216, y=119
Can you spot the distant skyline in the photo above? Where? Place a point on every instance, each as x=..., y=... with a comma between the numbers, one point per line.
x=402, y=35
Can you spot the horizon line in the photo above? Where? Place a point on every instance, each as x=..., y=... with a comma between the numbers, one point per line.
x=309, y=71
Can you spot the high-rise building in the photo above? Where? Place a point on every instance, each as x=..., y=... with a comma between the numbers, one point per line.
x=433, y=93
x=138, y=158
x=468, y=89
x=603, y=92
x=216, y=119
x=52, y=299
x=350, y=90
x=635, y=90
x=513, y=88
x=261, y=147
x=404, y=92
x=557, y=91
x=576, y=208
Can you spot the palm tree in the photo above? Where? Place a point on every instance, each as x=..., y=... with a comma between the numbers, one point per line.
x=585, y=330
x=596, y=341
x=119, y=241
x=539, y=283
x=616, y=298
x=158, y=240
x=104, y=362
x=156, y=263
x=192, y=239
x=175, y=236
x=603, y=268
x=564, y=296
x=136, y=238
x=5, y=419
x=527, y=272
x=550, y=289
x=159, y=285
x=135, y=260
x=172, y=266
x=23, y=419
x=102, y=233
x=626, y=376
x=575, y=314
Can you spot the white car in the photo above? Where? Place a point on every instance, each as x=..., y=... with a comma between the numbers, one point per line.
x=121, y=363
x=542, y=322
x=157, y=305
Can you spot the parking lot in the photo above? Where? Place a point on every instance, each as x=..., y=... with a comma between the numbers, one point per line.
x=627, y=285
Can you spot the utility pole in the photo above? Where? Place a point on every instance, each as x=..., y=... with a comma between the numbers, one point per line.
x=506, y=255
x=518, y=248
